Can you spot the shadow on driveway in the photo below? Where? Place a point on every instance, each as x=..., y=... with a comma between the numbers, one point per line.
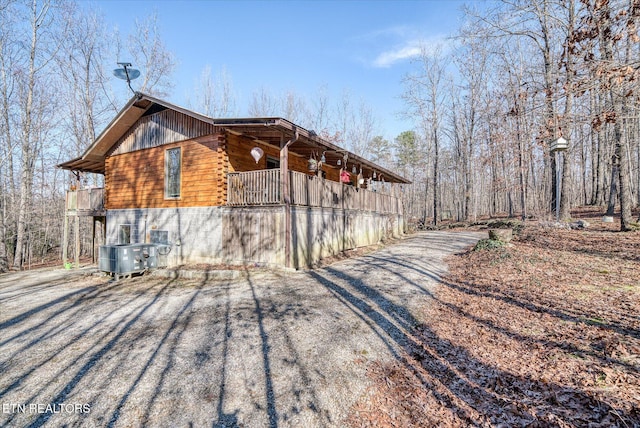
x=269, y=350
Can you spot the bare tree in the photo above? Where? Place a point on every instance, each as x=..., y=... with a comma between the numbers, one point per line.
x=214, y=95
x=263, y=104
x=82, y=63
x=319, y=113
x=603, y=26
x=149, y=53
x=362, y=129
x=9, y=53
x=294, y=107
x=424, y=97
x=471, y=61
x=45, y=35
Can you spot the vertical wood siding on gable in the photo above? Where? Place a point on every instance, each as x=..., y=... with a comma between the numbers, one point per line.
x=167, y=126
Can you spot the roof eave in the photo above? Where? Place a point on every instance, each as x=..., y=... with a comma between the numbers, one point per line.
x=92, y=160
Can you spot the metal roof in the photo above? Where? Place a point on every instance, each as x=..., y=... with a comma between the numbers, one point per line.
x=269, y=130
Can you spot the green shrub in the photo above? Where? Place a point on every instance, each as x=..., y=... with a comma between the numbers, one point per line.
x=488, y=244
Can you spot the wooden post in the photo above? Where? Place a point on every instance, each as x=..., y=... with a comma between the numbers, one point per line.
x=93, y=239
x=286, y=192
x=77, y=232
x=285, y=198
x=65, y=238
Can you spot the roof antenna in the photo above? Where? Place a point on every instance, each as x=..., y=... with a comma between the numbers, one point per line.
x=126, y=73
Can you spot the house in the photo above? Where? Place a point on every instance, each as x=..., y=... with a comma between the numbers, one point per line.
x=253, y=190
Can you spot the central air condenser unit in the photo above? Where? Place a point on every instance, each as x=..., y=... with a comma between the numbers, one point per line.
x=126, y=259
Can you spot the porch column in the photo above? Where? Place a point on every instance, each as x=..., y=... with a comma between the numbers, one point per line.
x=285, y=197
x=77, y=233
x=65, y=237
x=285, y=189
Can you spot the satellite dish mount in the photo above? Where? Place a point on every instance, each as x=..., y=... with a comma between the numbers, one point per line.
x=126, y=73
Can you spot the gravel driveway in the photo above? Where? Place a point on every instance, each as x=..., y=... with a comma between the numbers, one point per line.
x=271, y=349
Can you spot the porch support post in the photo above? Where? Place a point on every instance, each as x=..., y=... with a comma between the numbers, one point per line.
x=77, y=233
x=285, y=193
x=93, y=239
x=65, y=234
x=286, y=198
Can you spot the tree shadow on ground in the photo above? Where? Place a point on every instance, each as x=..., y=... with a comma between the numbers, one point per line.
x=572, y=315
x=98, y=339
x=475, y=392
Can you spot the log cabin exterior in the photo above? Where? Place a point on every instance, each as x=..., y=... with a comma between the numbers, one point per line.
x=190, y=180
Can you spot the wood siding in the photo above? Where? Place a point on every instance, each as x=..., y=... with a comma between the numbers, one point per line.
x=167, y=126
x=240, y=159
x=136, y=179
x=134, y=173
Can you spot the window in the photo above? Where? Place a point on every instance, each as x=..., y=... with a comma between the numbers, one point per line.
x=124, y=234
x=272, y=163
x=172, y=169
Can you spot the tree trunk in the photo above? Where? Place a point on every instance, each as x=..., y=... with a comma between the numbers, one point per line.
x=29, y=152
x=613, y=188
x=617, y=101
x=523, y=193
x=435, y=175
x=567, y=125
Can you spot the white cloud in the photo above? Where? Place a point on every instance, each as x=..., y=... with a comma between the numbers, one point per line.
x=388, y=58
x=411, y=49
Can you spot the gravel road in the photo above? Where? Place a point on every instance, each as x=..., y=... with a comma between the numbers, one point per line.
x=272, y=349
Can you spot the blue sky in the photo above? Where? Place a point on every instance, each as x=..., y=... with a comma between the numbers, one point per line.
x=362, y=46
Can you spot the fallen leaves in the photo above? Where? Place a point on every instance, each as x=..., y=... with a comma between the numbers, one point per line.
x=543, y=333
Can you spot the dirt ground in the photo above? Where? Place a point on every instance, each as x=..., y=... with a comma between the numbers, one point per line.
x=270, y=349
x=542, y=332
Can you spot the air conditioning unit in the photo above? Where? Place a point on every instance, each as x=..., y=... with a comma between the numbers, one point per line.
x=127, y=259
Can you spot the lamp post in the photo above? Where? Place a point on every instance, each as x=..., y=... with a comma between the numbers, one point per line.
x=559, y=145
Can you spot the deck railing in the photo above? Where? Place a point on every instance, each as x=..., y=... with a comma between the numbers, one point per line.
x=263, y=188
x=254, y=187
x=86, y=201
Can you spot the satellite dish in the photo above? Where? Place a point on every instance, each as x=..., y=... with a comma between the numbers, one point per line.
x=126, y=73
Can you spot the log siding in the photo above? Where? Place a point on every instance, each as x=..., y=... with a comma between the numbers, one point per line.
x=135, y=172
x=137, y=179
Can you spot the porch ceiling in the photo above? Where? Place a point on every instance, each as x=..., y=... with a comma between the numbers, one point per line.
x=273, y=130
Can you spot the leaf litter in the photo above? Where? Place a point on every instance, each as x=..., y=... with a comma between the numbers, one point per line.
x=542, y=332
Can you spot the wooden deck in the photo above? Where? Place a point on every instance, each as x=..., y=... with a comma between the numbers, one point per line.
x=263, y=188
x=260, y=188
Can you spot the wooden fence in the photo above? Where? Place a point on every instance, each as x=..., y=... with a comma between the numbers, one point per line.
x=263, y=188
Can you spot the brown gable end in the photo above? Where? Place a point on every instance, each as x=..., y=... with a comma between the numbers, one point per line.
x=167, y=126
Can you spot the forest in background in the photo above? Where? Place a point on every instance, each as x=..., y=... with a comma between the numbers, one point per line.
x=487, y=105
